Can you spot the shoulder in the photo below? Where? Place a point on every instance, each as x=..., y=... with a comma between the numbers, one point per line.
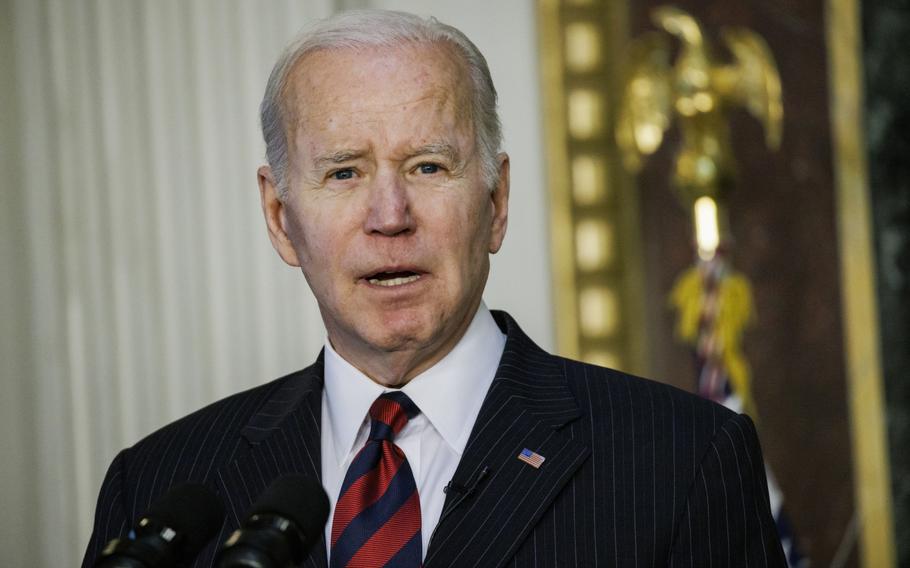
x=648, y=396
x=613, y=402
x=632, y=413
x=192, y=447
x=195, y=448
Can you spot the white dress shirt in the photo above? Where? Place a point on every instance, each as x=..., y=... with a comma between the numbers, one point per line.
x=449, y=395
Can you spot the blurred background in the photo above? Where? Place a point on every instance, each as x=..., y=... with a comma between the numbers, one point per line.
x=137, y=282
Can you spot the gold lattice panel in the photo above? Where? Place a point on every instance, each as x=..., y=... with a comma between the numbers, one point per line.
x=594, y=213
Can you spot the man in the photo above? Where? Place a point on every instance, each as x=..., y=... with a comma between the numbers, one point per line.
x=386, y=186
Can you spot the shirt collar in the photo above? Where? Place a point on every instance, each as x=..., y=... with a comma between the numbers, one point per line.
x=449, y=394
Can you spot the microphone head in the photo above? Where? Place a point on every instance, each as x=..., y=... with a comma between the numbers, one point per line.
x=298, y=498
x=193, y=511
x=175, y=529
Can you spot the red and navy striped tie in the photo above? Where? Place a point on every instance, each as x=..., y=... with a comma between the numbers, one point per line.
x=377, y=517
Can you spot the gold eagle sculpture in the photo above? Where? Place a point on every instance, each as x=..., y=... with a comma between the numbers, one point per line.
x=697, y=89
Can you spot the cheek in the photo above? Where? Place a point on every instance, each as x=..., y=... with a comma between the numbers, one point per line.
x=310, y=236
x=297, y=234
x=467, y=236
x=480, y=218
x=327, y=241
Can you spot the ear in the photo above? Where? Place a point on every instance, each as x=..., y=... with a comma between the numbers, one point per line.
x=500, y=198
x=273, y=208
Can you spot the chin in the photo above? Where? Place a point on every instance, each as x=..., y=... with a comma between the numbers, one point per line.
x=399, y=332
x=394, y=341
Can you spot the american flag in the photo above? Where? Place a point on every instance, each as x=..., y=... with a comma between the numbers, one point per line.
x=714, y=306
x=531, y=458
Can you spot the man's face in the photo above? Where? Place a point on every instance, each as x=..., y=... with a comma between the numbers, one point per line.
x=387, y=212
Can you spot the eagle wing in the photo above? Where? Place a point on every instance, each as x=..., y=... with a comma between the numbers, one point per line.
x=753, y=81
x=644, y=113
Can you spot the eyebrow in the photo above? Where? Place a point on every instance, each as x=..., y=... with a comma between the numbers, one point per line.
x=347, y=155
x=441, y=148
x=339, y=157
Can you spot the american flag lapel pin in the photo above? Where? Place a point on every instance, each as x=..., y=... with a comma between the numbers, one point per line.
x=533, y=459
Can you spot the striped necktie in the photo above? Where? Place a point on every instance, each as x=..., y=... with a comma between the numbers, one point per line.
x=377, y=517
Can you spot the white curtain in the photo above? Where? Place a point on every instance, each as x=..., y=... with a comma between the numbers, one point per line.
x=153, y=287
x=138, y=283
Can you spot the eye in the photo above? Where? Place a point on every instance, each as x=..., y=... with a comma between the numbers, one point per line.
x=428, y=169
x=342, y=175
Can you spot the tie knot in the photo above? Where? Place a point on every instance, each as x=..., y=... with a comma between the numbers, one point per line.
x=389, y=413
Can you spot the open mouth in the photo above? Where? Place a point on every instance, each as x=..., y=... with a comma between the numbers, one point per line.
x=389, y=279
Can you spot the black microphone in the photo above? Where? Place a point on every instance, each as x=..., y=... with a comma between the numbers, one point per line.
x=282, y=526
x=176, y=527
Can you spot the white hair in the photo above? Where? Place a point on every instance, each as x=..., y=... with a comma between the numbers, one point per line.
x=360, y=29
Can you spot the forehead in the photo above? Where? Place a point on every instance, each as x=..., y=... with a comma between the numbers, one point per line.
x=331, y=85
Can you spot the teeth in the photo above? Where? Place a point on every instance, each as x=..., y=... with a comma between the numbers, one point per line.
x=395, y=281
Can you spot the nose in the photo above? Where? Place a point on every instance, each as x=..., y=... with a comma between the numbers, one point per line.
x=389, y=208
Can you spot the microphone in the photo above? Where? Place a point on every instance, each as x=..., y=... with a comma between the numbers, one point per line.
x=462, y=491
x=282, y=526
x=176, y=527
x=466, y=490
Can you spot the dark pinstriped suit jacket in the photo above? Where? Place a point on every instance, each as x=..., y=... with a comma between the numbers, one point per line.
x=636, y=474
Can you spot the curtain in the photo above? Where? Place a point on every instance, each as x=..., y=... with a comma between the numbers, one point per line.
x=151, y=286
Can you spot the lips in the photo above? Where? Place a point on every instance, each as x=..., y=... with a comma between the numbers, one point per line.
x=393, y=276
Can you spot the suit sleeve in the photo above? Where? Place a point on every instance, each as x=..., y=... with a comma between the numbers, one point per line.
x=110, y=514
x=727, y=518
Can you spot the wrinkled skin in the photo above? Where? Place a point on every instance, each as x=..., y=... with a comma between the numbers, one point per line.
x=385, y=184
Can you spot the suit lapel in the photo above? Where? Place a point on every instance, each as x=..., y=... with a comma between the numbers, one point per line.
x=529, y=405
x=283, y=438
